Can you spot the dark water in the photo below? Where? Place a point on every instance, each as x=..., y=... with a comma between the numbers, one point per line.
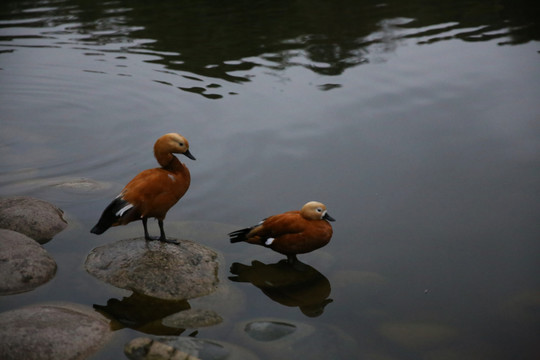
x=417, y=123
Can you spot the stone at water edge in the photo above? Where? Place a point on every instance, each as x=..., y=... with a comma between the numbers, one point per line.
x=24, y=264
x=32, y=217
x=153, y=268
x=52, y=331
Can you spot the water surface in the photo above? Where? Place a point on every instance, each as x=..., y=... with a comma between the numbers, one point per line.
x=417, y=124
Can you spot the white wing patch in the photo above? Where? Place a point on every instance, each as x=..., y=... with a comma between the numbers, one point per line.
x=269, y=241
x=123, y=210
x=171, y=177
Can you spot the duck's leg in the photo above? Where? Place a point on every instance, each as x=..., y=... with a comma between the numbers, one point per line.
x=292, y=259
x=162, y=236
x=146, y=235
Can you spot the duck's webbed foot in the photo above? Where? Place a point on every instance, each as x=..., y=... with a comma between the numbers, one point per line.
x=170, y=241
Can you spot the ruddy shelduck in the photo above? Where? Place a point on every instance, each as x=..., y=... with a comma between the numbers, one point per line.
x=152, y=192
x=290, y=233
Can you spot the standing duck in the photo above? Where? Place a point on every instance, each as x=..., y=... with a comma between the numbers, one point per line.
x=290, y=233
x=152, y=192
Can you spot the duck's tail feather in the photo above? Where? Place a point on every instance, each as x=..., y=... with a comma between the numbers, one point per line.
x=117, y=210
x=239, y=235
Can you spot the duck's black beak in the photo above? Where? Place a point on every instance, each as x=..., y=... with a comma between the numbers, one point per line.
x=328, y=217
x=188, y=154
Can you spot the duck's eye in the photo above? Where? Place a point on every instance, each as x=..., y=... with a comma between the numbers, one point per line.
x=181, y=144
x=319, y=210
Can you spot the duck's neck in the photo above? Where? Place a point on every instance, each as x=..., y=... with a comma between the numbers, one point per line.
x=167, y=160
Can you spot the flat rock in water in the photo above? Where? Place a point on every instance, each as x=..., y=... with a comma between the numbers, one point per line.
x=156, y=269
x=52, y=331
x=192, y=318
x=32, y=217
x=24, y=264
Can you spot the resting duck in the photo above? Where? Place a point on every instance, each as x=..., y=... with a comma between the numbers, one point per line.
x=152, y=192
x=290, y=233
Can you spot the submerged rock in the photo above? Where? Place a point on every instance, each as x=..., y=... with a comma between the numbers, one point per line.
x=269, y=330
x=358, y=279
x=280, y=338
x=24, y=264
x=523, y=307
x=192, y=318
x=228, y=301
x=156, y=269
x=80, y=185
x=32, y=217
x=148, y=349
x=52, y=331
x=184, y=348
x=417, y=335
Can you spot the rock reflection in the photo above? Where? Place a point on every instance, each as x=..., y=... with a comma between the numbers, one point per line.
x=299, y=285
x=142, y=313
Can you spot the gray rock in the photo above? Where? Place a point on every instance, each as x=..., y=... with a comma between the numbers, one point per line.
x=52, y=331
x=173, y=348
x=35, y=218
x=24, y=264
x=192, y=318
x=156, y=269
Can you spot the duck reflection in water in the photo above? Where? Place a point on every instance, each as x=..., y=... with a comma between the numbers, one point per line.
x=142, y=313
x=291, y=285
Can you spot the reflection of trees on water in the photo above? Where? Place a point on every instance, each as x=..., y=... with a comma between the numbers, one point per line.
x=225, y=40
x=213, y=38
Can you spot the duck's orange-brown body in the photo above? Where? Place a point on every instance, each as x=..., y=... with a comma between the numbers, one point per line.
x=290, y=233
x=152, y=192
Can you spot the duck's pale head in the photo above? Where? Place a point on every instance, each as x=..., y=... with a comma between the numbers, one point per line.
x=315, y=210
x=173, y=143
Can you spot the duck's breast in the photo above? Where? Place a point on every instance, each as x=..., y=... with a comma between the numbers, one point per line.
x=153, y=192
